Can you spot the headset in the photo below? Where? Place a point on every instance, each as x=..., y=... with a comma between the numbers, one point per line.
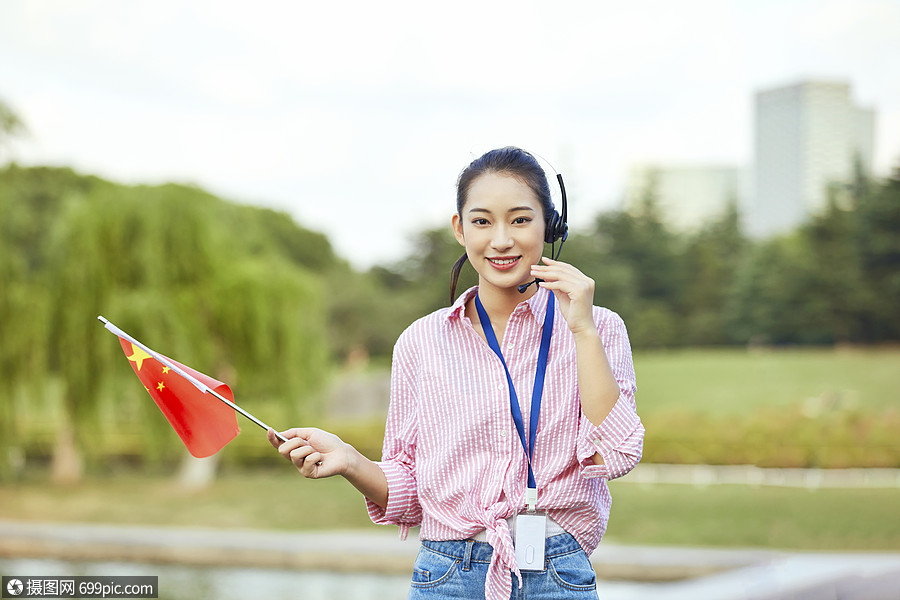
x=557, y=230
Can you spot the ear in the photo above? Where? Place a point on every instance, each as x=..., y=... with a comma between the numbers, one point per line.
x=456, y=224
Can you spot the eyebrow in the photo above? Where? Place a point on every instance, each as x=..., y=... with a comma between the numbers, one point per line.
x=512, y=210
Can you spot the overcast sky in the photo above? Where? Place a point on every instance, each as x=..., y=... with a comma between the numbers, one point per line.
x=356, y=117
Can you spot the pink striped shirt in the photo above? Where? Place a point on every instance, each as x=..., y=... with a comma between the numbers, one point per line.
x=452, y=458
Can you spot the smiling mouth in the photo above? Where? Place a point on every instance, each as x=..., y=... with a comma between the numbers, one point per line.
x=505, y=262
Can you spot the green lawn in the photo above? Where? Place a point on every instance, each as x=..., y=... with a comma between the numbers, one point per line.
x=738, y=381
x=273, y=499
x=866, y=519
x=770, y=517
x=718, y=406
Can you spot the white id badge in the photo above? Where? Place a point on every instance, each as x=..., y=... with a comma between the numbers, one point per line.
x=531, y=534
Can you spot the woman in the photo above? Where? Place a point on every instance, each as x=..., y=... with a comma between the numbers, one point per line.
x=468, y=388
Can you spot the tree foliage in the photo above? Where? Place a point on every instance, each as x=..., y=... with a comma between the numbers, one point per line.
x=250, y=297
x=221, y=287
x=836, y=279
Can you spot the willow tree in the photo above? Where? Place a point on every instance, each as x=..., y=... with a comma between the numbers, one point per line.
x=17, y=348
x=30, y=203
x=20, y=346
x=168, y=265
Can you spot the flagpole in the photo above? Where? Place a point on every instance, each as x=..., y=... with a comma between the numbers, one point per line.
x=191, y=379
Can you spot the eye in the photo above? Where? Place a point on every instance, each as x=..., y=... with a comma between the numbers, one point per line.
x=521, y=220
x=479, y=221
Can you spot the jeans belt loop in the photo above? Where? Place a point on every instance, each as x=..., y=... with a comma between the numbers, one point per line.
x=467, y=559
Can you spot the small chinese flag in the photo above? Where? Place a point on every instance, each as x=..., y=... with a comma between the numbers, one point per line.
x=204, y=423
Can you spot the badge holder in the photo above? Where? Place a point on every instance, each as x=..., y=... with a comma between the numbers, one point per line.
x=531, y=526
x=531, y=535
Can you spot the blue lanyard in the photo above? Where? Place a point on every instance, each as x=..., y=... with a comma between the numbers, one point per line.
x=543, y=354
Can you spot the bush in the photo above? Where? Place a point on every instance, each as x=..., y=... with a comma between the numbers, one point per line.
x=775, y=438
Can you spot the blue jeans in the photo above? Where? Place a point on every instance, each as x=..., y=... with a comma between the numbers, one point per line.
x=458, y=570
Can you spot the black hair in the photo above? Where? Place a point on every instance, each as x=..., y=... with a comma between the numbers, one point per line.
x=511, y=161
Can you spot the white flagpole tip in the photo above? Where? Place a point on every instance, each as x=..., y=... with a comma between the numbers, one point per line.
x=156, y=355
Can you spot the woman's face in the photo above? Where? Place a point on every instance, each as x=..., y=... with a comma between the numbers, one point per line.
x=502, y=229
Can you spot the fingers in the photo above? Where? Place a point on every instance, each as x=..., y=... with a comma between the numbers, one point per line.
x=307, y=460
x=287, y=448
x=303, y=456
x=299, y=449
x=573, y=289
x=277, y=441
x=294, y=440
x=563, y=277
x=556, y=266
x=273, y=438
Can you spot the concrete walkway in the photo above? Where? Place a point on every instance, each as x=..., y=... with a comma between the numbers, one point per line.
x=674, y=573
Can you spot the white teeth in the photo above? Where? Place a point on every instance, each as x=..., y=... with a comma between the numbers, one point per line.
x=503, y=261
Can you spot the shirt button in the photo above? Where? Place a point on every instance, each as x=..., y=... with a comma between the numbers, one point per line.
x=500, y=387
x=510, y=346
x=597, y=440
x=503, y=434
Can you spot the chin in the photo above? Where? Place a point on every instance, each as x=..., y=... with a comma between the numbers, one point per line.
x=506, y=284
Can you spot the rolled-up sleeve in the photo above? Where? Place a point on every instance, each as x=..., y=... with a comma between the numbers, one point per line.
x=399, y=450
x=619, y=439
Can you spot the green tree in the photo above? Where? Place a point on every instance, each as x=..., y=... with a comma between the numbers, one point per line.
x=837, y=281
x=614, y=285
x=30, y=202
x=777, y=298
x=710, y=259
x=639, y=266
x=20, y=350
x=169, y=265
x=878, y=239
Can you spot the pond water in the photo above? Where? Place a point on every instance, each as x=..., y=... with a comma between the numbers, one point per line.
x=197, y=583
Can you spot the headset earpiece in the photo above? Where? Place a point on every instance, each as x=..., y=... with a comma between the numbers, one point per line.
x=557, y=228
x=553, y=233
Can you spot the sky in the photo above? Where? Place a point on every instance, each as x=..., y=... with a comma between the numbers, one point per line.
x=357, y=117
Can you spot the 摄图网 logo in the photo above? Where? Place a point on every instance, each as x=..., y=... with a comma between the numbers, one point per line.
x=14, y=587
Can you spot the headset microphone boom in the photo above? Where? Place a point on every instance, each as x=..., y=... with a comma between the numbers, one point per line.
x=557, y=230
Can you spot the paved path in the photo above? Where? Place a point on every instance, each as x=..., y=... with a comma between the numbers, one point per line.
x=695, y=573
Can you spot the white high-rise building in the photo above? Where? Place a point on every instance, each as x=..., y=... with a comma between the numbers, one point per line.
x=808, y=136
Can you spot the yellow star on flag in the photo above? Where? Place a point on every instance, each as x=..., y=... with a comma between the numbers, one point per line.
x=166, y=370
x=160, y=386
x=138, y=356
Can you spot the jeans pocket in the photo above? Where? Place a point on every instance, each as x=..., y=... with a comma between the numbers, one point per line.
x=573, y=571
x=431, y=568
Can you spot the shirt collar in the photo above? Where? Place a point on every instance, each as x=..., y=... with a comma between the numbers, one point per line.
x=536, y=305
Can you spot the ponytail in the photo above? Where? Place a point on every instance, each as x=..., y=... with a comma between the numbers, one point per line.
x=454, y=275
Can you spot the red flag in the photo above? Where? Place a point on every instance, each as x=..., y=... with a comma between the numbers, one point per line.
x=204, y=423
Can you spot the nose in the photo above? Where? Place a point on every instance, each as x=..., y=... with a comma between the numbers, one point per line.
x=501, y=239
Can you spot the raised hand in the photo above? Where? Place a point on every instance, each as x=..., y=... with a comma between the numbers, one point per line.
x=574, y=292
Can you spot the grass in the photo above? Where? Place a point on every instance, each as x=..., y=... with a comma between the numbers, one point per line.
x=766, y=517
x=830, y=404
x=726, y=516
x=274, y=499
x=727, y=382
